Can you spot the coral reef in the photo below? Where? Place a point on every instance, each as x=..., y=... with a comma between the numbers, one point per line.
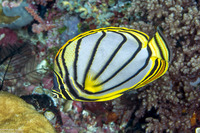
x=96, y=13
x=169, y=104
x=179, y=108
x=42, y=26
x=18, y=116
x=172, y=97
x=40, y=2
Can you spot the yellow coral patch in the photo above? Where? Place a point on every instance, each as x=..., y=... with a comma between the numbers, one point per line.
x=18, y=116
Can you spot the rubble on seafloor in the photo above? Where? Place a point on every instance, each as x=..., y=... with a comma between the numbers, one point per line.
x=169, y=104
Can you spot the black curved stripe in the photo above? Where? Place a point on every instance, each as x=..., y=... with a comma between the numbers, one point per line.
x=111, y=57
x=120, y=29
x=58, y=94
x=85, y=99
x=58, y=64
x=159, y=48
x=159, y=68
x=155, y=67
x=62, y=89
x=61, y=74
x=152, y=71
x=162, y=66
x=66, y=73
x=65, y=66
x=59, y=80
x=78, y=97
x=138, y=33
x=126, y=63
x=92, y=56
x=75, y=62
x=64, y=92
x=71, y=90
x=166, y=44
x=76, y=56
x=144, y=66
x=67, y=81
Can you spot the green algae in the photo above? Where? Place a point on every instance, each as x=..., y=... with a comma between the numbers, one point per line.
x=51, y=51
x=62, y=29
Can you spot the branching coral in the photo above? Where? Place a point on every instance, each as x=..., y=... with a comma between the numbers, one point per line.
x=180, y=20
x=173, y=109
x=172, y=97
x=42, y=26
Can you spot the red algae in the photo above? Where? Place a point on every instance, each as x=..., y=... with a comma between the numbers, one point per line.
x=7, y=37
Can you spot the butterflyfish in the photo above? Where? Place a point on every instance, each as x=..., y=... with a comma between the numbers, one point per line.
x=102, y=64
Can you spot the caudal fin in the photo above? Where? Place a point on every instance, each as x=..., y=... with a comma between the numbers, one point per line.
x=160, y=47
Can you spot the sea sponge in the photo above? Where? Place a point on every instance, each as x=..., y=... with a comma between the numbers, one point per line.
x=13, y=15
x=18, y=116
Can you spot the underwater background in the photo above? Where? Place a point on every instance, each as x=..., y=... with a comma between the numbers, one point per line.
x=31, y=33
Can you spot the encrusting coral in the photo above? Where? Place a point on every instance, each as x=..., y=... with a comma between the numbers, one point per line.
x=18, y=116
